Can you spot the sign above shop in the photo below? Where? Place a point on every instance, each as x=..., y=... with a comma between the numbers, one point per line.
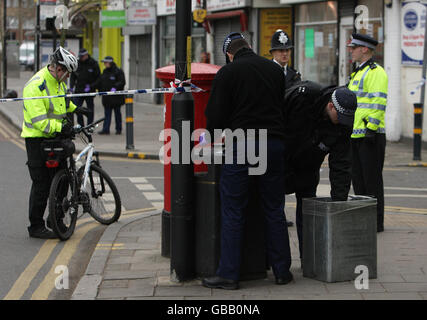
x=112, y=19
x=167, y=7
x=141, y=16
x=199, y=15
x=216, y=5
x=412, y=26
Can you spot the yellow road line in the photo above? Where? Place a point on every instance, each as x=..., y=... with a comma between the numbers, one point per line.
x=21, y=285
x=44, y=289
x=46, y=286
x=406, y=210
x=4, y=133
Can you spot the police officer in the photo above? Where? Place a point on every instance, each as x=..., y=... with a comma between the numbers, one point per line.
x=83, y=80
x=247, y=93
x=281, y=47
x=112, y=79
x=370, y=84
x=44, y=119
x=319, y=121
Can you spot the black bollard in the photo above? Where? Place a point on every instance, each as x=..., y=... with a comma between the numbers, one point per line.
x=129, y=122
x=182, y=250
x=418, y=129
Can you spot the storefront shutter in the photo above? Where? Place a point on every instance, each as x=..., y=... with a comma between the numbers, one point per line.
x=140, y=66
x=222, y=28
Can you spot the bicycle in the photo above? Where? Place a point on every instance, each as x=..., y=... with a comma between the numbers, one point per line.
x=76, y=191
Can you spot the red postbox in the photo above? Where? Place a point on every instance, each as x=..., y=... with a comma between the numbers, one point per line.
x=202, y=75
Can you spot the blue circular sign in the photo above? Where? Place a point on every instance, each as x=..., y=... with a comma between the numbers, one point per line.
x=410, y=19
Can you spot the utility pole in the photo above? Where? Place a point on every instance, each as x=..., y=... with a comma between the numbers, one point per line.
x=182, y=233
x=4, y=54
x=419, y=108
x=37, y=37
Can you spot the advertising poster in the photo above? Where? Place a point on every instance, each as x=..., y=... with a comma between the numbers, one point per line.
x=412, y=42
x=270, y=21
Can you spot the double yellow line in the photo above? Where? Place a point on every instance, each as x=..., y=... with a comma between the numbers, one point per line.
x=11, y=135
x=42, y=292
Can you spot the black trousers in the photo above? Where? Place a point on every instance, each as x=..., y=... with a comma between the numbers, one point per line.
x=78, y=101
x=41, y=178
x=307, y=190
x=367, y=177
x=234, y=192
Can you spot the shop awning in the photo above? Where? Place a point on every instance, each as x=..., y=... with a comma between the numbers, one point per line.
x=227, y=14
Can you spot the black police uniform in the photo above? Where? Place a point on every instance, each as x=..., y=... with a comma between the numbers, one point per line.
x=248, y=94
x=280, y=40
x=112, y=77
x=310, y=136
x=87, y=73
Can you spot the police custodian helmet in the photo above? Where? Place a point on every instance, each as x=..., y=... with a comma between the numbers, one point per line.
x=280, y=40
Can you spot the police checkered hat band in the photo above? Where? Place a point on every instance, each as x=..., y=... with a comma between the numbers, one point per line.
x=107, y=59
x=232, y=36
x=345, y=102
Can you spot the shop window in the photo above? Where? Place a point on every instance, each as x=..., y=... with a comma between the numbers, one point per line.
x=375, y=26
x=316, y=41
x=197, y=36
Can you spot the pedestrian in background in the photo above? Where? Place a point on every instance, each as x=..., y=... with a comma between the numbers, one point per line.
x=112, y=79
x=370, y=84
x=319, y=122
x=83, y=81
x=281, y=49
x=247, y=93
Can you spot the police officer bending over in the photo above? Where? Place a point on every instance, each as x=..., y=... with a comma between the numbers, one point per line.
x=319, y=121
x=247, y=93
x=44, y=119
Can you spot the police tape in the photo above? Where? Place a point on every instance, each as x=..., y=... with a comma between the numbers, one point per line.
x=177, y=89
x=420, y=84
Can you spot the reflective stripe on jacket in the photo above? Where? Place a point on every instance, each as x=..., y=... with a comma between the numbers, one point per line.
x=370, y=84
x=43, y=117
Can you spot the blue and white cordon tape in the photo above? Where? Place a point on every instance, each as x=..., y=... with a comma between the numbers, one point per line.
x=177, y=89
x=420, y=84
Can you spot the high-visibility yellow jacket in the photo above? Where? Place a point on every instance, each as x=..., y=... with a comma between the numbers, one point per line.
x=370, y=84
x=43, y=117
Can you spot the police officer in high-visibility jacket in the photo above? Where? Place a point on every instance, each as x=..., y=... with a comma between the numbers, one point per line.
x=369, y=82
x=44, y=119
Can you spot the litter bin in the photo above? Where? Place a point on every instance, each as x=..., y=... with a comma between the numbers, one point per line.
x=338, y=236
x=202, y=75
x=208, y=227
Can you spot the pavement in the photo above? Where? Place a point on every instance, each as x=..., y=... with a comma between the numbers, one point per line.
x=127, y=263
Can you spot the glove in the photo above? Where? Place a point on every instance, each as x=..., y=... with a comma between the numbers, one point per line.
x=83, y=110
x=67, y=129
x=113, y=90
x=87, y=88
x=370, y=136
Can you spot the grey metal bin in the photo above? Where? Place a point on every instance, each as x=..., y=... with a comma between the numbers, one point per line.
x=338, y=236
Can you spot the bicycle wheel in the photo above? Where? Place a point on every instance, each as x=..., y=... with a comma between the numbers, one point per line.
x=62, y=209
x=100, y=197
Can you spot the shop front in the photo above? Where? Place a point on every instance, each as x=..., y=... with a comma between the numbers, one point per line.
x=166, y=18
x=224, y=17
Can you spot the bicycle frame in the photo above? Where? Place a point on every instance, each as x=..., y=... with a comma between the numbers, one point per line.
x=89, y=151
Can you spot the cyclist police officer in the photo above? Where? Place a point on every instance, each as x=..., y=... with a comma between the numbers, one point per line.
x=44, y=119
